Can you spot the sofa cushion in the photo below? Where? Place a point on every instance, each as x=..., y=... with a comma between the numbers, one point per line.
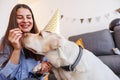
x=113, y=61
x=117, y=36
x=99, y=42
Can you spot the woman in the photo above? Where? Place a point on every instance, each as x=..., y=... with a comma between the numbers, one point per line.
x=17, y=62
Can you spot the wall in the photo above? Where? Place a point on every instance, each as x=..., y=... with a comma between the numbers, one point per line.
x=5, y=9
x=100, y=12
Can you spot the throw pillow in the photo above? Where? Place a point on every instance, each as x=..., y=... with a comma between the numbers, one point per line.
x=80, y=43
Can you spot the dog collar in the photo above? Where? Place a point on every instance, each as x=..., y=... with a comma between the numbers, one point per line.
x=71, y=67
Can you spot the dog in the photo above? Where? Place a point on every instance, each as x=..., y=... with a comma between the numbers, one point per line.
x=61, y=52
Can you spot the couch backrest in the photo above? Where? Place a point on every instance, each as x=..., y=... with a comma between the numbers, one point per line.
x=99, y=42
x=117, y=36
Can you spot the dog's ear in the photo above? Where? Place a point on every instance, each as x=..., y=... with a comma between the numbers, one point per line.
x=46, y=48
x=52, y=44
x=55, y=43
x=44, y=34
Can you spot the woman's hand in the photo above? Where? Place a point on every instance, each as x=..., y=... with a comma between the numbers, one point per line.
x=45, y=67
x=14, y=38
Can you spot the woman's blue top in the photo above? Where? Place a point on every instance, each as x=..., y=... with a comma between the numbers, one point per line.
x=19, y=71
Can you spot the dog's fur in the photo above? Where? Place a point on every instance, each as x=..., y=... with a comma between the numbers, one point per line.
x=61, y=52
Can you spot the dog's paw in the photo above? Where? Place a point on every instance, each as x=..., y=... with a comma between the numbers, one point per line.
x=37, y=68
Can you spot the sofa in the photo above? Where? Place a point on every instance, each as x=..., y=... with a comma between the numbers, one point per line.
x=103, y=44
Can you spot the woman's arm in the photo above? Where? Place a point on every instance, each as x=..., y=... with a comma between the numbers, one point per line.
x=14, y=39
x=8, y=69
x=15, y=57
x=12, y=63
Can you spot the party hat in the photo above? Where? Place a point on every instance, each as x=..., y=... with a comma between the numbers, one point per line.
x=54, y=23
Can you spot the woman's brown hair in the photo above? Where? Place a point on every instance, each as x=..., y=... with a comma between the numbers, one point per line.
x=13, y=24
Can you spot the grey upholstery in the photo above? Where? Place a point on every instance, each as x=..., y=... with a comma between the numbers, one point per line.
x=99, y=42
x=117, y=36
x=113, y=61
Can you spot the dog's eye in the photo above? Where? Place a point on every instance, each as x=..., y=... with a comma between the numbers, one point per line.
x=40, y=34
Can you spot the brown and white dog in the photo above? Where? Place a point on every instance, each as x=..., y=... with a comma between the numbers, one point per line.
x=61, y=52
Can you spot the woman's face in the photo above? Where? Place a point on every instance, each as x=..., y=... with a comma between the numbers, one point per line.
x=24, y=19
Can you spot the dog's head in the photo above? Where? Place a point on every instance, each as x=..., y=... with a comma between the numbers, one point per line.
x=42, y=42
